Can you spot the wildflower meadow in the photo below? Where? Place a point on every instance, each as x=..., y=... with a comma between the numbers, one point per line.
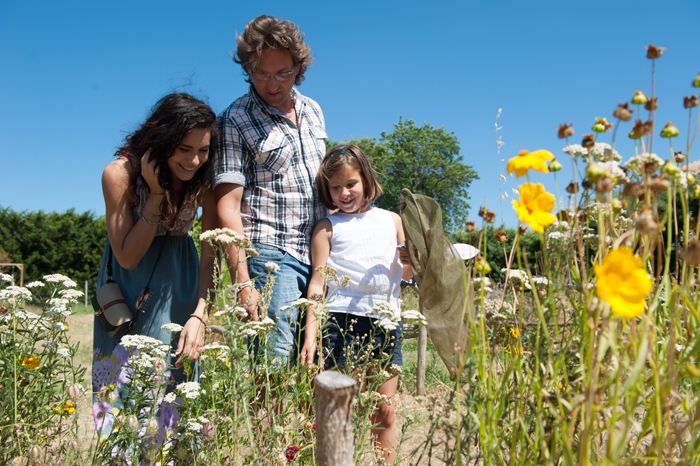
x=588, y=354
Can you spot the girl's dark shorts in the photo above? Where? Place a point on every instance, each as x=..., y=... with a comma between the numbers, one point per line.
x=349, y=338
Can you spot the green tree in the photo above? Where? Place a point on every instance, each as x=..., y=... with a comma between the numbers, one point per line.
x=66, y=243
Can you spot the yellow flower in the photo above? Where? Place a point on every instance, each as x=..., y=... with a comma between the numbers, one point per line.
x=32, y=362
x=526, y=161
x=68, y=407
x=535, y=206
x=623, y=283
x=515, y=332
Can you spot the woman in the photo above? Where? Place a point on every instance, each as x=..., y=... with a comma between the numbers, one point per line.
x=152, y=192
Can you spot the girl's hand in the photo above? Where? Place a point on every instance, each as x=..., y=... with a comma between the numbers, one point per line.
x=308, y=351
x=191, y=340
x=150, y=173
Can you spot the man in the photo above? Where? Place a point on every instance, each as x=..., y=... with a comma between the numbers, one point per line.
x=272, y=141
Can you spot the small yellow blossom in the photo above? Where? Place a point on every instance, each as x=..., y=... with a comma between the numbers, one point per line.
x=515, y=332
x=535, y=206
x=623, y=283
x=32, y=362
x=68, y=407
x=529, y=161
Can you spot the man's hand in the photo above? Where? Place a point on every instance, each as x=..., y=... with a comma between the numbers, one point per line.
x=248, y=297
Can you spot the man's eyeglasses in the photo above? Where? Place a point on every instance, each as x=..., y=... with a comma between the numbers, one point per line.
x=279, y=77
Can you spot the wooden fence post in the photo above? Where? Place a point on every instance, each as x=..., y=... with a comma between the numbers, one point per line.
x=422, y=355
x=334, y=393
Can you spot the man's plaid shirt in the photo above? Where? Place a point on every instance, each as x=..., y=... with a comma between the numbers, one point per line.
x=277, y=163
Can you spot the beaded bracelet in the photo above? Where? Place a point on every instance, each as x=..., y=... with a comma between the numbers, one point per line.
x=200, y=319
x=157, y=217
x=140, y=214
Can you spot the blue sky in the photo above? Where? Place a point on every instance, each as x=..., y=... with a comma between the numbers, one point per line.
x=78, y=76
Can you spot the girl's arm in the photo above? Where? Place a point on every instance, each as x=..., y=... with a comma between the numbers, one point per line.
x=403, y=252
x=320, y=251
x=130, y=240
x=192, y=335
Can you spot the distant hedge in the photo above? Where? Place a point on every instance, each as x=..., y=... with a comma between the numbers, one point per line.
x=66, y=243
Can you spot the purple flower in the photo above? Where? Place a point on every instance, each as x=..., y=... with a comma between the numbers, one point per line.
x=291, y=452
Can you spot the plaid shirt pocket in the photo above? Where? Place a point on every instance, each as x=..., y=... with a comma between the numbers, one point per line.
x=274, y=153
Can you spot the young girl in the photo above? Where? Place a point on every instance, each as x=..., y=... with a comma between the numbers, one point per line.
x=360, y=242
x=155, y=186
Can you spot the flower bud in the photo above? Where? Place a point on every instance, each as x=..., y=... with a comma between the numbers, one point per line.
x=102, y=393
x=18, y=461
x=564, y=131
x=696, y=81
x=595, y=171
x=152, y=425
x=634, y=135
x=588, y=141
x=679, y=157
x=160, y=366
x=74, y=392
x=617, y=205
x=696, y=191
x=669, y=131
x=623, y=112
x=690, y=178
x=73, y=445
x=132, y=422
x=482, y=266
x=639, y=98
x=671, y=169
x=651, y=104
x=690, y=102
x=601, y=125
x=654, y=52
x=34, y=453
x=118, y=422
x=554, y=166
x=208, y=430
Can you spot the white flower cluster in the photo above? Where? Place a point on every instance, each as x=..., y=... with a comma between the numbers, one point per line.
x=484, y=283
x=36, y=284
x=7, y=278
x=71, y=295
x=385, y=316
x=64, y=352
x=594, y=207
x=601, y=152
x=225, y=236
x=636, y=163
x=614, y=171
x=237, y=311
x=172, y=327
x=189, y=390
x=170, y=398
x=254, y=328
x=216, y=349
x=301, y=303
x=236, y=287
x=145, y=344
x=329, y=274
x=18, y=293
x=540, y=282
x=272, y=267
x=493, y=308
x=519, y=276
x=412, y=317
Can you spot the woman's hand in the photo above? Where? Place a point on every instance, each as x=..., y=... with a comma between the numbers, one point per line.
x=191, y=340
x=150, y=173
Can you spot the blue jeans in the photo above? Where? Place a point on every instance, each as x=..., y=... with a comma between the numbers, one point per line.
x=291, y=283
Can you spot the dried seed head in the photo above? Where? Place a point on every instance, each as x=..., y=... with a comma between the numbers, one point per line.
x=585, y=184
x=588, y=141
x=669, y=131
x=659, y=183
x=691, y=256
x=649, y=167
x=639, y=98
x=564, y=214
x=470, y=227
x=641, y=129
x=679, y=157
x=690, y=102
x=645, y=222
x=623, y=112
x=652, y=104
x=564, y=131
x=654, y=52
x=522, y=230
x=501, y=237
x=487, y=215
x=572, y=188
x=634, y=190
x=604, y=185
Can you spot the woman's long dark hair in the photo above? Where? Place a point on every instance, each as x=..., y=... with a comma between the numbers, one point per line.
x=171, y=120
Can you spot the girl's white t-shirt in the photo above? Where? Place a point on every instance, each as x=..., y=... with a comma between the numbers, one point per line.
x=363, y=247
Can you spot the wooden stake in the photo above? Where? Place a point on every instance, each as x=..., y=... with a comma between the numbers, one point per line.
x=334, y=393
